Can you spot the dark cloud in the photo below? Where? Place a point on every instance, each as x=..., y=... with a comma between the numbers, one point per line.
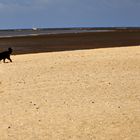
x=67, y=13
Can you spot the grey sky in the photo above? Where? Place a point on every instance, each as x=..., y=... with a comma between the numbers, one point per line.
x=68, y=13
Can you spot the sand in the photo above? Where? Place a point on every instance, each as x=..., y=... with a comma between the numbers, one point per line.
x=72, y=95
x=70, y=41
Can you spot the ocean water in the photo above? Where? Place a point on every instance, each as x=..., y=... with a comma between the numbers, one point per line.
x=45, y=31
x=36, y=32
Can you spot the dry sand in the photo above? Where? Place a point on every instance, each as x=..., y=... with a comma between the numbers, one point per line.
x=72, y=95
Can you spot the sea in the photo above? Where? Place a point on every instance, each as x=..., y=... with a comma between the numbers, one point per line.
x=47, y=31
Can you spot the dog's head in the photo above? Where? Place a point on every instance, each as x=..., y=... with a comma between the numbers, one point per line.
x=10, y=50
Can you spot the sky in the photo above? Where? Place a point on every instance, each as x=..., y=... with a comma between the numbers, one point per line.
x=68, y=13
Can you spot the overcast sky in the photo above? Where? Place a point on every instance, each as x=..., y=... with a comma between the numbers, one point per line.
x=68, y=13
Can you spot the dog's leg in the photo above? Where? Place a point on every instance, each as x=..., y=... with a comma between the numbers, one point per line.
x=4, y=60
x=9, y=59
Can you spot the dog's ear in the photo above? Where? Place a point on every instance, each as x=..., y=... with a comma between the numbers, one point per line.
x=10, y=49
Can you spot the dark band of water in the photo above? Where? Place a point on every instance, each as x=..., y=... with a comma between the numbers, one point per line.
x=45, y=31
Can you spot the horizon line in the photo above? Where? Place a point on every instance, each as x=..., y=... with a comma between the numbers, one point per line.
x=66, y=28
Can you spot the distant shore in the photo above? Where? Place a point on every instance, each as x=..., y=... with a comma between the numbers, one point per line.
x=70, y=41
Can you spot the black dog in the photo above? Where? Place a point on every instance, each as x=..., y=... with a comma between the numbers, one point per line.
x=6, y=55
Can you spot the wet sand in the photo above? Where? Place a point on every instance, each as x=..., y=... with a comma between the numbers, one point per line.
x=71, y=95
x=71, y=41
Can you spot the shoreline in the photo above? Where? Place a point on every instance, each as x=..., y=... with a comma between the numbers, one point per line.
x=70, y=41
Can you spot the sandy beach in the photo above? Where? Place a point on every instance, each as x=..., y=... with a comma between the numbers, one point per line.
x=72, y=95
